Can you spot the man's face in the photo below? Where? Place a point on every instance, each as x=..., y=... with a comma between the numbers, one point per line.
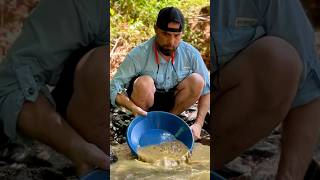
x=167, y=42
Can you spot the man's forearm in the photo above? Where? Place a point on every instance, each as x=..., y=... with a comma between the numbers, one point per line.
x=124, y=101
x=40, y=121
x=203, y=108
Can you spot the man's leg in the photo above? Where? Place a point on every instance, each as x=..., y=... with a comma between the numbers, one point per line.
x=257, y=89
x=143, y=92
x=87, y=110
x=299, y=137
x=187, y=93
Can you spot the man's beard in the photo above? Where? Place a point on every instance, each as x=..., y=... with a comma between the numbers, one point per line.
x=166, y=51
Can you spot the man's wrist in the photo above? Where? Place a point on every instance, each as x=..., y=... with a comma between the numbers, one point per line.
x=199, y=120
x=198, y=123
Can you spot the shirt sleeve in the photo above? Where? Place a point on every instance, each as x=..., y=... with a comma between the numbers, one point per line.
x=200, y=68
x=126, y=71
x=50, y=34
x=102, y=37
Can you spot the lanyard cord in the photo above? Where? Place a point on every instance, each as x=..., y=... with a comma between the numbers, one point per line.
x=157, y=56
x=158, y=61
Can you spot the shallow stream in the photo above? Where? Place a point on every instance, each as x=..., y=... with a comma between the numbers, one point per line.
x=193, y=167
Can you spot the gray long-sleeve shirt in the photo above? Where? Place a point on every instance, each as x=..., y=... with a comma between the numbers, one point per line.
x=54, y=30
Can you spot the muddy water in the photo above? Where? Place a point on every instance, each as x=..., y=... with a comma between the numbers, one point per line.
x=174, y=166
x=169, y=154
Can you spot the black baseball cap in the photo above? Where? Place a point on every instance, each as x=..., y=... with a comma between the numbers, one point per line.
x=167, y=15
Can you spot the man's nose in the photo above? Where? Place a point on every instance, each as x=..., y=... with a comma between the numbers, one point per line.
x=171, y=41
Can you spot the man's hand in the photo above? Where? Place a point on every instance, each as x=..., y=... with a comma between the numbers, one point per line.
x=123, y=100
x=203, y=107
x=196, y=131
x=138, y=111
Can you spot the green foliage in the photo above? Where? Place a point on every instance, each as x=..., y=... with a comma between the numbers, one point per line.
x=133, y=20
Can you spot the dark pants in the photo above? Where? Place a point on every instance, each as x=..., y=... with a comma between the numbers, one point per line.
x=163, y=101
x=63, y=90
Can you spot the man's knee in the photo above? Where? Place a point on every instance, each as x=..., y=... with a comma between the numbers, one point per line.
x=277, y=56
x=143, y=92
x=275, y=70
x=91, y=71
x=90, y=85
x=194, y=83
x=144, y=84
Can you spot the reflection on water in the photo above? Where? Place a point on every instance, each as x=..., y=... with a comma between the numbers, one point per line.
x=197, y=166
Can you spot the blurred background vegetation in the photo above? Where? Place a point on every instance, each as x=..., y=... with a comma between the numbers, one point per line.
x=132, y=22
